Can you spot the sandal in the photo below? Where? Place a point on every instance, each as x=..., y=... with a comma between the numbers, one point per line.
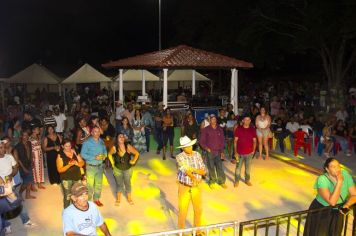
x=130, y=201
x=117, y=203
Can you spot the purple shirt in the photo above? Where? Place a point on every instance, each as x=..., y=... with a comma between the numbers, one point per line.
x=213, y=139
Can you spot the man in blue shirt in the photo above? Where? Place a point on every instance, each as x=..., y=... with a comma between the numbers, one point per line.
x=82, y=217
x=94, y=153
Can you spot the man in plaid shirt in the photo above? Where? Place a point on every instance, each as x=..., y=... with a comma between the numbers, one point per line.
x=191, y=168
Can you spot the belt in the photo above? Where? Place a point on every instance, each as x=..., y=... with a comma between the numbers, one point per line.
x=93, y=165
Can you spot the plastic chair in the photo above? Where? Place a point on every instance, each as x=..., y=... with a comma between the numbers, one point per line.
x=299, y=141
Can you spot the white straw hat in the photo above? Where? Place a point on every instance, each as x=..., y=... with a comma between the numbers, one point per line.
x=186, y=142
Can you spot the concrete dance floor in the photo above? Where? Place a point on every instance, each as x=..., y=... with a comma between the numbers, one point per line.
x=277, y=188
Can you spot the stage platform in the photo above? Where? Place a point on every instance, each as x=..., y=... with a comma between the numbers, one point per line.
x=277, y=188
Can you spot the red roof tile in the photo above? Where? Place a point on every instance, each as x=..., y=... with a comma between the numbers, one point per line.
x=180, y=57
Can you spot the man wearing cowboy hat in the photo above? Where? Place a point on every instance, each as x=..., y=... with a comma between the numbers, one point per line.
x=191, y=168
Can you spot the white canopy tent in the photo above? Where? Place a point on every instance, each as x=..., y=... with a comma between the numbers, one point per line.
x=86, y=74
x=34, y=74
x=186, y=75
x=142, y=76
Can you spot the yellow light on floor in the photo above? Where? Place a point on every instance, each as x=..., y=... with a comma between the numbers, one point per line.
x=148, y=192
x=218, y=206
x=257, y=205
x=112, y=226
x=135, y=227
x=155, y=214
x=159, y=167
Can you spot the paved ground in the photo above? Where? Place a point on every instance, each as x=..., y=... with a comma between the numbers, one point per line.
x=277, y=188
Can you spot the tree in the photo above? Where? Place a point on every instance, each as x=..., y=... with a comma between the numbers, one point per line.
x=324, y=27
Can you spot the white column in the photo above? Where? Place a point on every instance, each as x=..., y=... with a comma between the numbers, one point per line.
x=236, y=107
x=121, y=89
x=113, y=88
x=193, y=82
x=59, y=89
x=165, y=88
x=143, y=83
x=233, y=88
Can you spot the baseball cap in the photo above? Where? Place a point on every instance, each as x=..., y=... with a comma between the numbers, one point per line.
x=78, y=189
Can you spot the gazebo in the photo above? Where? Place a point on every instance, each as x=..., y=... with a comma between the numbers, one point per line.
x=182, y=57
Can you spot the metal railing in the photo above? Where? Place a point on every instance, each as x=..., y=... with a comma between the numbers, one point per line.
x=229, y=228
x=285, y=224
x=292, y=223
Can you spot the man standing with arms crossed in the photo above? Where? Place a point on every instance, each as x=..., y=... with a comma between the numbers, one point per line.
x=94, y=153
x=191, y=168
x=245, y=147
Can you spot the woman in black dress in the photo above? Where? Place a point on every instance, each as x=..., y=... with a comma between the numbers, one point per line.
x=51, y=145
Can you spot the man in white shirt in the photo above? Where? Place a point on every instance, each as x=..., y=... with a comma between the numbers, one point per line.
x=292, y=126
x=61, y=121
x=342, y=114
x=119, y=110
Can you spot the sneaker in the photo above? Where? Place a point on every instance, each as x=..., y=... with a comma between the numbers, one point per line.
x=7, y=230
x=98, y=203
x=248, y=183
x=236, y=184
x=30, y=224
x=223, y=185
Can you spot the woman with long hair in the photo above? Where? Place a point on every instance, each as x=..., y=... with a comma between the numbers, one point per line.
x=122, y=157
x=126, y=130
x=263, y=123
x=68, y=164
x=82, y=133
x=51, y=145
x=168, y=132
x=139, y=138
x=37, y=157
x=335, y=186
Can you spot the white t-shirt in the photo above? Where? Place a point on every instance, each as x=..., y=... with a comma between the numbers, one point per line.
x=60, y=122
x=6, y=164
x=82, y=222
x=292, y=127
x=341, y=115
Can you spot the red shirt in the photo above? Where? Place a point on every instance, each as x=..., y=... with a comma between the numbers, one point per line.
x=245, y=139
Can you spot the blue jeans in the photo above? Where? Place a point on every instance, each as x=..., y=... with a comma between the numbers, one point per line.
x=24, y=213
x=123, y=180
x=158, y=135
x=247, y=160
x=66, y=187
x=215, y=168
x=94, y=176
x=147, y=135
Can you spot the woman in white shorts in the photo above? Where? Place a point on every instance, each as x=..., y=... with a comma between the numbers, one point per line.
x=263, y=122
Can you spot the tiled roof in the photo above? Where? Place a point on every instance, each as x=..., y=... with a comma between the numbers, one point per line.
x=180, y=57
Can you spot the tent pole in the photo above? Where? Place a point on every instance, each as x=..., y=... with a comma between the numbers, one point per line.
x=165, y=88
x=143, y=83
x=193, y=82
x=121, y=89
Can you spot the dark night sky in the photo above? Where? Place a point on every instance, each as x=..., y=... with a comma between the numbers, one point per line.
x=66, y=32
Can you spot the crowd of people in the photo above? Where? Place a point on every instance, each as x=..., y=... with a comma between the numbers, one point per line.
x=75, y=157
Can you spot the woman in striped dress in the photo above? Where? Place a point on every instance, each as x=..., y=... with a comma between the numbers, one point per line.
x=37, y=158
